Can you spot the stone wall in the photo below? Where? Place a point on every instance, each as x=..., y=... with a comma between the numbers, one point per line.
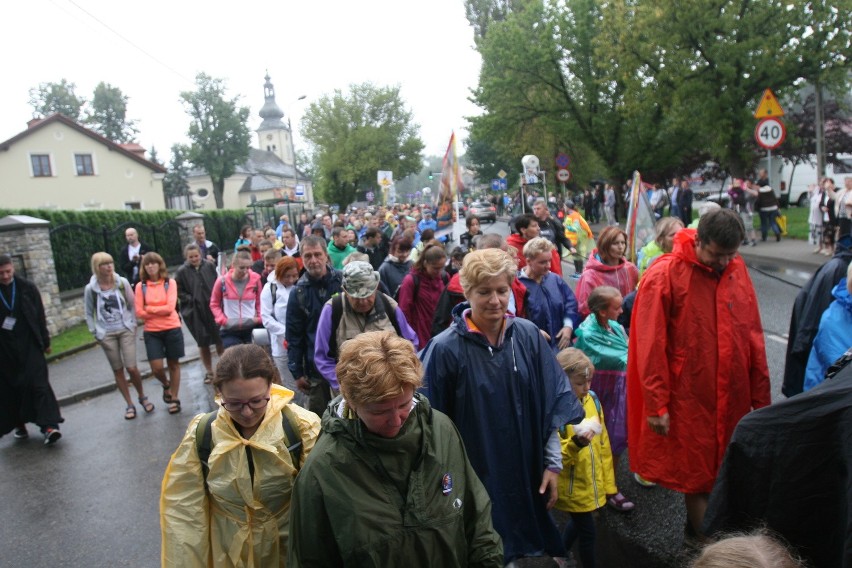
x=27, y=240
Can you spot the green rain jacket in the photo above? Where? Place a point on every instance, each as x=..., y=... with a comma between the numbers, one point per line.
x=410, y=501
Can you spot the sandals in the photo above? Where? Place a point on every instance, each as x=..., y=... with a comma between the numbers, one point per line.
x=620, y=503
x=130, y=412
x=167, y=396
x=147, y=406
x=174, y=406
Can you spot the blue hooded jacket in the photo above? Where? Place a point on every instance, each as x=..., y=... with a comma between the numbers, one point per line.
x=506, y=401
x=833, y=338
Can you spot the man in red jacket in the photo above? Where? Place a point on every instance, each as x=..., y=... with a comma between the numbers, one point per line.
x=696, y=360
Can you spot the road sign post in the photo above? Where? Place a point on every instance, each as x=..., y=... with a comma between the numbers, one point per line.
x=770, y=131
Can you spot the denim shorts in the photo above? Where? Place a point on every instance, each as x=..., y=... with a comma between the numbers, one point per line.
x=166, y=344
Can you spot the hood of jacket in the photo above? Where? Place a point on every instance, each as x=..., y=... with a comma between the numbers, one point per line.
x=841, y=294
x=595, y=263
x=340, y=421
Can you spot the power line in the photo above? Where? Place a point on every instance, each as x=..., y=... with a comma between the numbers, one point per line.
x=128, y=42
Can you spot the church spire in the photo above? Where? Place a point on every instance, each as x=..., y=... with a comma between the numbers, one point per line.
x=271, y=113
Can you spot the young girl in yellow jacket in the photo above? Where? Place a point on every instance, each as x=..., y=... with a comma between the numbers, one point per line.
x=587, y=474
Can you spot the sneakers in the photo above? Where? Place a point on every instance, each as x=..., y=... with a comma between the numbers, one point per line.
x=642, y=481
x=21, y=432
x=51, y=436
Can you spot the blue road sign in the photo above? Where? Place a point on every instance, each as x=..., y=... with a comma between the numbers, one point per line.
x=495, y=185
x=504, y=184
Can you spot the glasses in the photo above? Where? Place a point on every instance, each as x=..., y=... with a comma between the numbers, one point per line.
x=237, y=405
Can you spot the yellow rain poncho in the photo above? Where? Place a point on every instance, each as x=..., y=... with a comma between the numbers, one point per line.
x=237, y=521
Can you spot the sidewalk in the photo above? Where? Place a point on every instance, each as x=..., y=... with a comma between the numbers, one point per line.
x=87, y=373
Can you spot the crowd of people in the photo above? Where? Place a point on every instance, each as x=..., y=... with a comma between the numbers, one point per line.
x=460, y=396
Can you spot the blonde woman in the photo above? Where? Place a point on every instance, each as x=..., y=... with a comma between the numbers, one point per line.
x=111, y=317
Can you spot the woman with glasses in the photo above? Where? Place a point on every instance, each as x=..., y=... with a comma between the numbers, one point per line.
x=226, y=492
x=111, y=317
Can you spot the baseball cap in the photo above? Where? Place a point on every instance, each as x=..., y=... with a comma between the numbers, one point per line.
x=359, y=279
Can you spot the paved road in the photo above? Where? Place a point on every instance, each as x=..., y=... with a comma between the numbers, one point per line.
x=92, y=500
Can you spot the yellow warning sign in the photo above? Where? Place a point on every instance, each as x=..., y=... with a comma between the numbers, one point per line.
x=768, y=106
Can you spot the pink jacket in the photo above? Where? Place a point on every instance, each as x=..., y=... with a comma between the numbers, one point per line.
x=232, y=311
x=622, y=277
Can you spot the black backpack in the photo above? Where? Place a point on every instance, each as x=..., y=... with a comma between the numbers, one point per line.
x=204, y=440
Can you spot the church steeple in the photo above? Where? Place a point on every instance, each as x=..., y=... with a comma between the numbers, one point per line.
x=271, y=113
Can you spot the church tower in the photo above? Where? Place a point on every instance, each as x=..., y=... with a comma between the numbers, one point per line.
x=273, y=135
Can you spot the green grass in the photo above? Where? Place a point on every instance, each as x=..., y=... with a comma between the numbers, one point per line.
x=797, y=222
x=69, y=339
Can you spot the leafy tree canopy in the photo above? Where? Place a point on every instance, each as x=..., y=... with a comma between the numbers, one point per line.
x=175, y=182
x=50, y=98
x=107, y=114
x=658, y=86
x=353, y=135
x=218, y=130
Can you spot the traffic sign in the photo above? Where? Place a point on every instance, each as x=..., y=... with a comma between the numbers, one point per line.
x=563, y=175
x=370, y=196
x=562, y=161
x=768, y=106
x=495, y=185
x=504, y=184
x=770, y=133
x=300, y=190
x=501, y=174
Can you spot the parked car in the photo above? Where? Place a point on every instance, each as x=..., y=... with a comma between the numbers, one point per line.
x=483, y=211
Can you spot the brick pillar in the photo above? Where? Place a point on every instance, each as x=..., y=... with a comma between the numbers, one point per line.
x=187, y=222
x=27, y=240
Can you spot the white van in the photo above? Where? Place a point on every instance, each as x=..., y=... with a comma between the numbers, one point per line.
x=800, y=176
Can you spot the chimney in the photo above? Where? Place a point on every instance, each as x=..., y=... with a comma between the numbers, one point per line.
x=134, y=148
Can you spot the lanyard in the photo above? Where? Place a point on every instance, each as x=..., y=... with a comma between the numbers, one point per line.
x=5, y=303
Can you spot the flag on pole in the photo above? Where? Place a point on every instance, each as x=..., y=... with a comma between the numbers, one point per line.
x=640, y=219
x=451, y=187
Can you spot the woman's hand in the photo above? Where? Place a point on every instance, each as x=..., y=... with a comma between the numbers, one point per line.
x=659, y=424
x=548, y=484
x=564, y=337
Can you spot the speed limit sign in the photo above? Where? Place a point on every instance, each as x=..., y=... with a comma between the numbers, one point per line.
x=770, y=133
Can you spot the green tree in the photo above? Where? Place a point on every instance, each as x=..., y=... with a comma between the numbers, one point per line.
x=218, y=130
x=353, y=135
x=50, y=98
x=704, y=65
x=107, y=114
x=175, y=182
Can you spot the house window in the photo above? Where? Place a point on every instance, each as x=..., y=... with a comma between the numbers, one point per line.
x=84, y=164
x=132, y=205
x=41, y=165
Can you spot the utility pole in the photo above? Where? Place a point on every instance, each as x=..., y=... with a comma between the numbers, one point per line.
x=820, y=130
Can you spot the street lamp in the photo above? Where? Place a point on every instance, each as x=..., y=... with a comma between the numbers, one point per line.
x=293, y=146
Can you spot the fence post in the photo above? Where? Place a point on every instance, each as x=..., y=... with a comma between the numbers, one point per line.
x=187, y=222
x=27, y=240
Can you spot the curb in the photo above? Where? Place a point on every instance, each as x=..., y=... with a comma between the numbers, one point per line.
x=98, y=390
x=73, y=351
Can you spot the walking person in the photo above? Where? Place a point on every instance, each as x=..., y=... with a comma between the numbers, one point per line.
x=195, y=281
x=815, y=193
x=607, y=266
x=235, y=301
x=587, y=475
x=388, y=483
x=273, y=315
x=421, y=289
x=604, y=342
x=225, y=497
x=110, y=308
x=767, y=207
x=24, y=340
x=496, y=377
x=681, y=411
x=131, y=255
x=156, y=305
x=684, y=202
x=609, y=205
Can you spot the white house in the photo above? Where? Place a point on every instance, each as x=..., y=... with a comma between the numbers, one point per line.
x=57, y=163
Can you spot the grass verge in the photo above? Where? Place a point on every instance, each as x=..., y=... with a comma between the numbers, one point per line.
x=72, y=338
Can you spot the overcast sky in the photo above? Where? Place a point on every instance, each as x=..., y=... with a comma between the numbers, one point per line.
x=152, y=50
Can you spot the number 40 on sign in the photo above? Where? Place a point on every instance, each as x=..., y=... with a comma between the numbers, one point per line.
x=770, y=133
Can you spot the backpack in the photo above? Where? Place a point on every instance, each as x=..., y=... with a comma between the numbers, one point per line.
x=204, y=440
x=337, y=314
x=737, y=195
x=445, y=278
